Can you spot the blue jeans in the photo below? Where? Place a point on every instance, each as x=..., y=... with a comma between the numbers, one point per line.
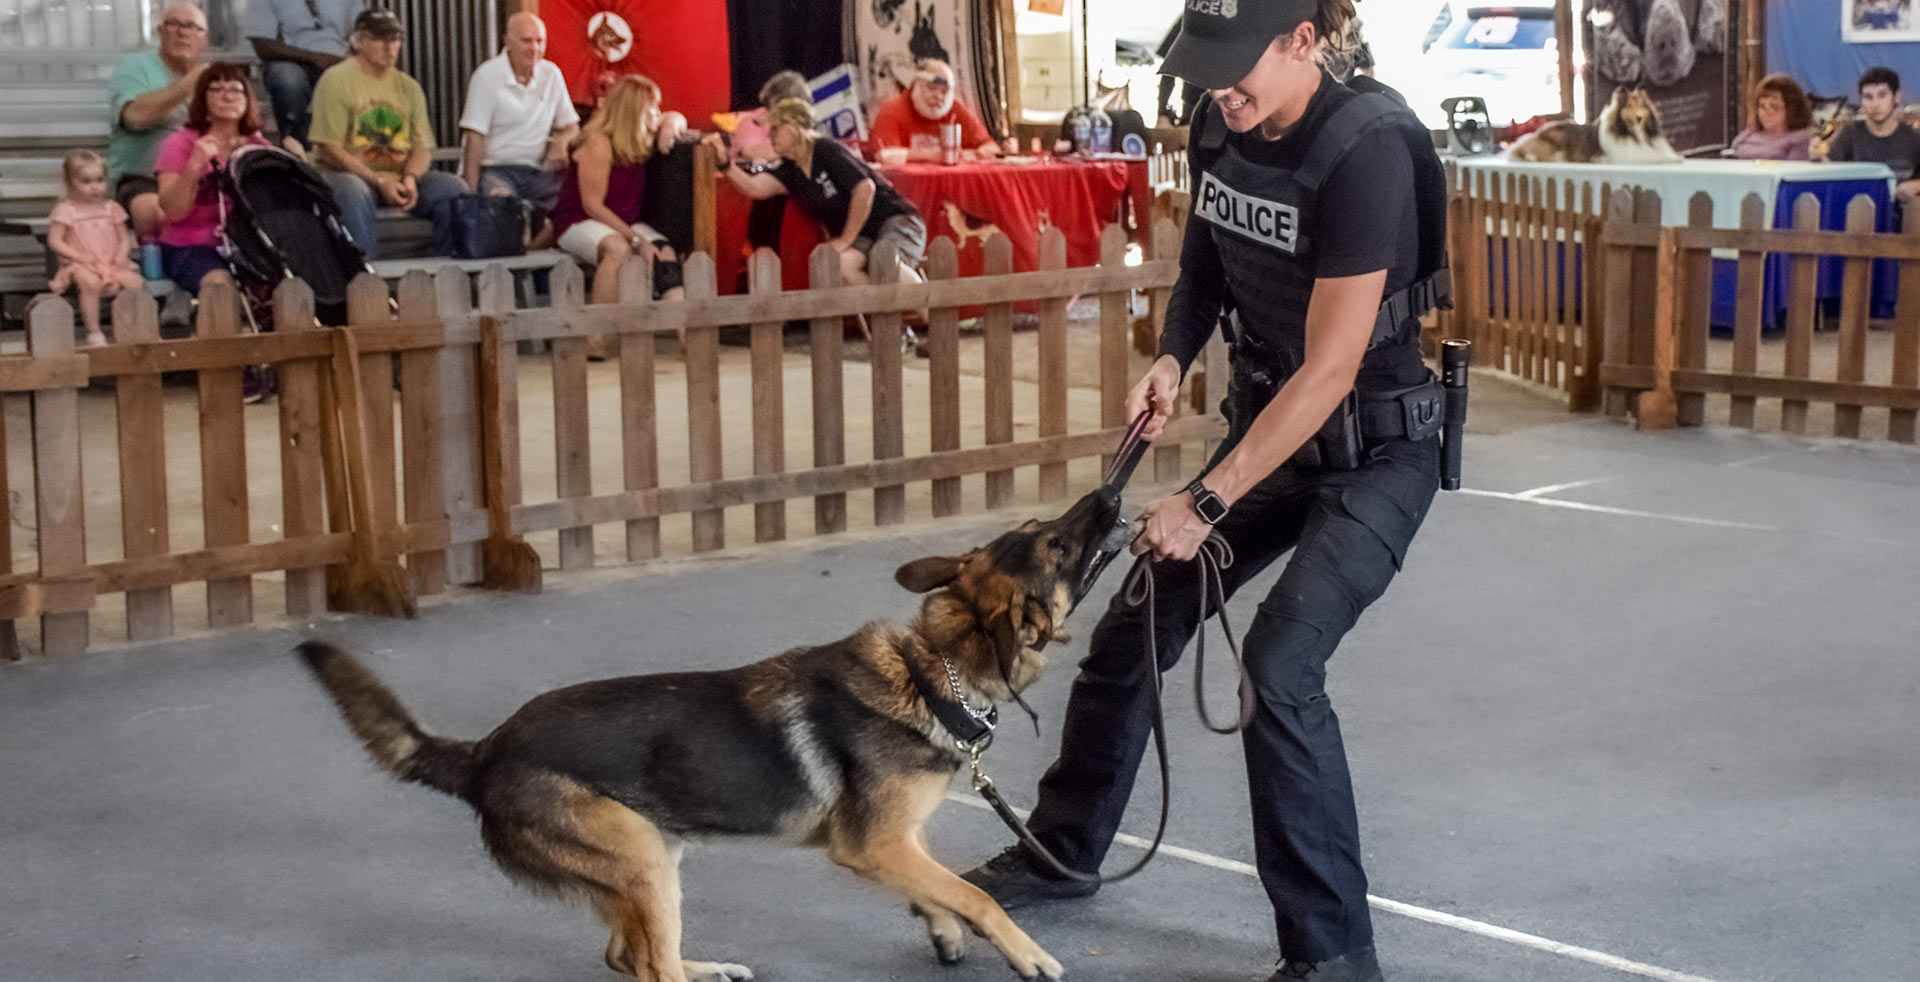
x=290, y=89
x=533, y=185
x=358, y=201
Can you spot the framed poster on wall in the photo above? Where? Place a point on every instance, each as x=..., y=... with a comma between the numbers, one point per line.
x=1676, y=50
x=1871, y=21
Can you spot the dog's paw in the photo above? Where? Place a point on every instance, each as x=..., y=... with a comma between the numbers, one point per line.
x=946, y=932
x=1034, y=964
x=716, y=972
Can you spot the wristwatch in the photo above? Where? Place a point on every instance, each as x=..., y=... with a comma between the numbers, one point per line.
x=1206, y=503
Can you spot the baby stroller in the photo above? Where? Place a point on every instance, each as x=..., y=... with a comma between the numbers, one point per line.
x=279, y=221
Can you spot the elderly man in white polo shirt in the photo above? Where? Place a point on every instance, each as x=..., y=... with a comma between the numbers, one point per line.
x=518, y=119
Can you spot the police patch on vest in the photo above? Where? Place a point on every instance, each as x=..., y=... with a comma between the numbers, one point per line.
x=1266, y=222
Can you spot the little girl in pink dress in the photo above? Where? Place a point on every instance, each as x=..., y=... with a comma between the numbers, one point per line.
x=88, y=231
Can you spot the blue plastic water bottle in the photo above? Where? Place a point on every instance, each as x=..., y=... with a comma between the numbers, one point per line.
x=150, y=261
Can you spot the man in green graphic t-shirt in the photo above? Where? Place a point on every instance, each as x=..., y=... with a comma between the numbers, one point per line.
x=372, y=136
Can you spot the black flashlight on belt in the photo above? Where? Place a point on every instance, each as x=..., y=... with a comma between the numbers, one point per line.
x=1455, y=355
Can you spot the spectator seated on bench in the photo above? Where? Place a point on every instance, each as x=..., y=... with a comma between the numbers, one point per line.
x=356, y=98
x=88, y=232
x=605, y=188
x=222, y=117
x=148, y=99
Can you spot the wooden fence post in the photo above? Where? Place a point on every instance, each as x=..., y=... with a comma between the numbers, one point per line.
x=373, y=583
x=58, y=494
x=304, y=431
x=639, y=415
x=1115, y=314
x=997, y=349
x=572, y=430
x=705, y=461
x=423, y=473
x=768, y=359
x=507, y=562
x=1621, y=265
x=1856, y=297
x=459, y=419
x=887, y=389
x=140, y=415
x=1693, y=313
x=1750, y=288
x=223, y=458
x=1052, y=363
x=1906, y=342
x=943, y=373
x=1656, y=408
x=1166, y=245
x=1583, y=389
x=368, y=302
x=1803, y=310
x=827, y=340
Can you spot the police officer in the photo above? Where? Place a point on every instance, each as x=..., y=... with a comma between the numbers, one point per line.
x=1318, y=229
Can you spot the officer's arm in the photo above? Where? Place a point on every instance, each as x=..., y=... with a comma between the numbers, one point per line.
x=1340, y=321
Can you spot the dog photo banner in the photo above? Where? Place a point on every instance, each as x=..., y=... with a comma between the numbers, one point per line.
x=1674, y=49
x=1870, y=21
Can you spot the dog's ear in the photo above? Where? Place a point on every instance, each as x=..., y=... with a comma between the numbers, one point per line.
x=1012, y=631
x=930, y=573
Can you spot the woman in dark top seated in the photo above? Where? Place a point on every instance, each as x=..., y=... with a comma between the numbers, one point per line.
x=857, y=207
x=597, y=218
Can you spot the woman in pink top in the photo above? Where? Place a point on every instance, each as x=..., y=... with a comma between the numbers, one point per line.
x=222, y=117
x=1782, y=122
x=88, y=231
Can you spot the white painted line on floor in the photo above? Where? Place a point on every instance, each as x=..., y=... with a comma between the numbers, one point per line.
x=1627, y=512
x=1523, y=498
x=1531, y=493
x=1458, y=923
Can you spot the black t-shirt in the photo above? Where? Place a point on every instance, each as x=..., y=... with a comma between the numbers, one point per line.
x=1363, y=221
x=827, y=192
x=1899, y=150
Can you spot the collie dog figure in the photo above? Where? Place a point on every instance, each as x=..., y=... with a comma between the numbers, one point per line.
x=1628, y=132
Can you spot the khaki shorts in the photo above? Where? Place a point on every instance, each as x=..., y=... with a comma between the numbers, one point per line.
x=582, y=239
x=907, y=233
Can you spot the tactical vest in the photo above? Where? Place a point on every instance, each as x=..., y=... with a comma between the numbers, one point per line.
x=1261, y=217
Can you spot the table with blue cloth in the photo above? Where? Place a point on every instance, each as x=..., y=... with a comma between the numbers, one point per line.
x=1727, y=182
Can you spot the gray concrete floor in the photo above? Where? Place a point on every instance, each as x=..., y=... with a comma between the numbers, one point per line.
x=1668, y=716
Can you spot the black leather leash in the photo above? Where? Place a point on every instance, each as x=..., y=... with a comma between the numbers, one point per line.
x=973, y=729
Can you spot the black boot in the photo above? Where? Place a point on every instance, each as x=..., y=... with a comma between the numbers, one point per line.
x=1014, y=880
x=1354, y=966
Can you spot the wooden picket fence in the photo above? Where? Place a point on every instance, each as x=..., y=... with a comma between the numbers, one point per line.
x=1659, y=358
x=402, y=463
x=1526, y=277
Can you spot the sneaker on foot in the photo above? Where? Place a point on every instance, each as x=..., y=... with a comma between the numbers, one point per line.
x=96, y=340
x=1354, y=966
x=1014, y=880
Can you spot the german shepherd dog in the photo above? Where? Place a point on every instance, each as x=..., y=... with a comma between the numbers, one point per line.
x=590, y=792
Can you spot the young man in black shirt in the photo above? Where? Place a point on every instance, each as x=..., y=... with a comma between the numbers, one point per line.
x=1880, y=135
x=1317, y=210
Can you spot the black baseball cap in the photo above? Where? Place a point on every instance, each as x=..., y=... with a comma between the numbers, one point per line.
x=1221, y=40
x=379, y=23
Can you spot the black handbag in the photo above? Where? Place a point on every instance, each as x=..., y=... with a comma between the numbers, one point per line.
x=483, y=226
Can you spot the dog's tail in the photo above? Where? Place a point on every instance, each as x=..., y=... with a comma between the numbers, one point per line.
x=395, y=741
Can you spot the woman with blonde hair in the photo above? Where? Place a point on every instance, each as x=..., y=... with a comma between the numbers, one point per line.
x=1781, y=122
x=597, y=216
x=856, y=206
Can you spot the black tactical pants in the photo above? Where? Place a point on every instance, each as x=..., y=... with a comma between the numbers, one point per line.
x=1349, y=531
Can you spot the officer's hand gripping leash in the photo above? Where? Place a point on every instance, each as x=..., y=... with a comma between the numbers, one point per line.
x=1138, y=589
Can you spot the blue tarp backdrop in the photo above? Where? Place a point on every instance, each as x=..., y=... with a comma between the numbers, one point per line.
x=1803, y=40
